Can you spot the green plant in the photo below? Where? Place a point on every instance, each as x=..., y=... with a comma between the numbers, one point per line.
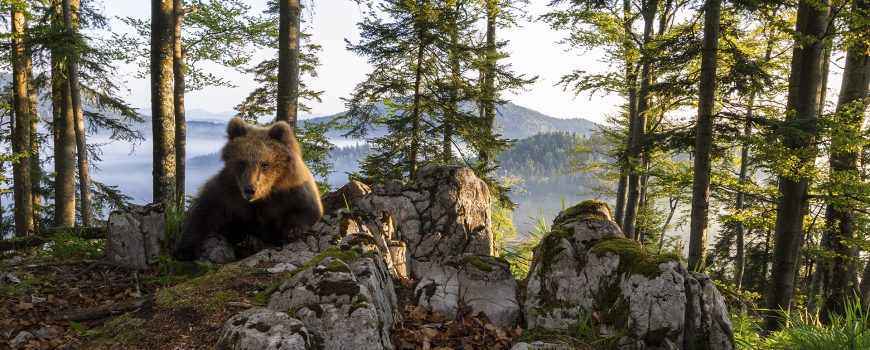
x=68, y=245
x=174, y=220
x=519, y=252
x=850, y=331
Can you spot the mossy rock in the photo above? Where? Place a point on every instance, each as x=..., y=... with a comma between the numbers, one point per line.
x=633, y=258
x=586, y=210
x=346, y=256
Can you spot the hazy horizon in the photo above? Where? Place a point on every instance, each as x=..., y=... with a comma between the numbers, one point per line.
x=532, y=45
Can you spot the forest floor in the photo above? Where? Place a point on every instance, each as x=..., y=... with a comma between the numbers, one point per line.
x=82, y=303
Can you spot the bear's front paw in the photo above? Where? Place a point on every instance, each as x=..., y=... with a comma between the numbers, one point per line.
x=184, y=253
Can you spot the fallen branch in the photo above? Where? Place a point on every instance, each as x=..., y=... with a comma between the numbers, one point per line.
x=93, y=313
x=45, y=235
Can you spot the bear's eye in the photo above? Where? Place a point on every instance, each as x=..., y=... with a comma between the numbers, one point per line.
x=264, y=166
x=242, y=164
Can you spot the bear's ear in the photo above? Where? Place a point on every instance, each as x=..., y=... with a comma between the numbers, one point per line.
x=236, y=128
x=281, y=131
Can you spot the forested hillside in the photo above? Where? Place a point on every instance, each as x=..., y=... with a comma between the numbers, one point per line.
x=742, y=125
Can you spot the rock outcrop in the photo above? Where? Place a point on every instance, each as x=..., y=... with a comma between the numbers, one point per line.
x=135, y=234
x=484, y=283
x=585, y=272
x=261, y=328
x=445, y=213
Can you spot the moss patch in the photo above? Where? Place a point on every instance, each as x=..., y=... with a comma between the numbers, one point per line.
x=633, y=258
x=347, y=256
x=205, y=293
x=478, y=263
x=586, y=210
x=124, y=329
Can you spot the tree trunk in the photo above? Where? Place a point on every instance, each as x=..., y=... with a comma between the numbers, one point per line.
x=631, y=86
x=638, y=133
x=864, y=288
x=290, y=12
x=162, y=104
x=415, y=121
x=452, y=113
x=87, y=212
x=178, y=98
x=22, y=184
x=63, y=133
x=840, y=216
x=35, y=166
x=489, y=67
x=704, y=137
x=802, y=108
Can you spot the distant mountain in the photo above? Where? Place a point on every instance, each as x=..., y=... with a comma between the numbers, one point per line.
x=513, y=121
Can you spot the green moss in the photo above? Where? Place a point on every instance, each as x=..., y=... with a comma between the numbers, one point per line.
x=347, y=256
x=337, y=266
x=202, y=292
x=633, y=258
x=338, y=288
x=479, y=263
x=586, y=210
x=124, y=329
x=551, y=246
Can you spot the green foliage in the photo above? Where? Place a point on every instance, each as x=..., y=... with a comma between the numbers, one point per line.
x=519, y=252
x=67, y=246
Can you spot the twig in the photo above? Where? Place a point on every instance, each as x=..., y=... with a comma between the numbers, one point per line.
x=92, y=313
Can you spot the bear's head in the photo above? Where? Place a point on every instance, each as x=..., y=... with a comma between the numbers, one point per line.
x=263, y=160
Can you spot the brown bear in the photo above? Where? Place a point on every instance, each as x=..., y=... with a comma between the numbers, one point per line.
x=264, y=190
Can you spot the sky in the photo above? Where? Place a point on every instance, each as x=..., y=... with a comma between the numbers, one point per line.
x=533, y=48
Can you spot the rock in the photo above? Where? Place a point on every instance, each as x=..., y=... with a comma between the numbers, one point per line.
x=484, y=283
x=345, y=197
x=538, y=345
x=135, y=234
x=264, y=329
x=22, y=337
x=445, y=213
x=585, y=271
x=44, y=332
x=346, y=297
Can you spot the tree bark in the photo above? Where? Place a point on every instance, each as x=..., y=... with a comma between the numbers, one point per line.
x=63, y=133
x=162, y=102
x=178, y=98
x=21, y=142
x=637, y=137
x=699, y=216
x=802, y=108
x=489, y=67
x=840, y=271
x=452, y=113
x=290, y=12
x=35, y=166
x=631, y=86
x=70, y=8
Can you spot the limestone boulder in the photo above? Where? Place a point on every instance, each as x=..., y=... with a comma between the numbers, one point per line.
x=585, y=272
x=135, y=234
x=264, y=329
x=483, y=283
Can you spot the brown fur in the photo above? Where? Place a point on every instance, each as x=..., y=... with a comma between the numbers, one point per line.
x=264, y=189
